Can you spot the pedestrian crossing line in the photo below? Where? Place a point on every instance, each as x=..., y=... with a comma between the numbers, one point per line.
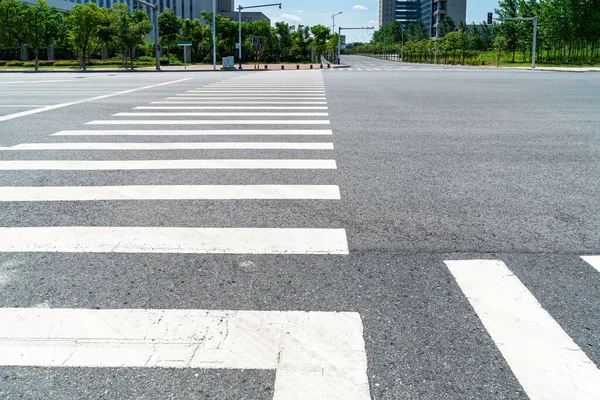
x=170, y=192
x=315, y=355
x=262, y=86
x=211, y=122
x=173, y=146
x=207, y=132
x=85, y=239
x=229, y=108
x=221, y=114
x=297, y=96
x=238, y=102
x=114, y=165
x=258, y=92
x=545, y=360
x=594, y=261
x=247, y=98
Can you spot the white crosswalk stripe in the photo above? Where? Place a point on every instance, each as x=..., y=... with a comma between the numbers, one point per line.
x=318, y=354
x=545, y=360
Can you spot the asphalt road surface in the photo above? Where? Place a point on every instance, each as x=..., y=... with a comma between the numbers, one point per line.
x=387, y=231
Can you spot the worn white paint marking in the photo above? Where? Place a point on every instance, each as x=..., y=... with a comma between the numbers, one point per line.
x=172, y=146
x=113, y=165
x=236, y=102
x=44, y=81
x=221, y=114
x=72, y=103
x=545, y=360
x=85, y=239
x=594, y=261
x=256, y=95
x=228, y=108
x=206, y=132
x=315, y=355
x=169, y=192
x=210, y=122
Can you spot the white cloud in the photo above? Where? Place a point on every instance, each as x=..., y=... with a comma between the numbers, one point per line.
x=360, y=8
x=300, y=11
x=290, y=17
x=373, y=22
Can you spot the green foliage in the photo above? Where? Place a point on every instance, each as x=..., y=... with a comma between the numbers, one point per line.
x=169, y=28
x=321, y=35
x=84, y=22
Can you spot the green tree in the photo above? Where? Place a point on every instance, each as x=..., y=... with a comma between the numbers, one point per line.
x=284, y=33
x=83, y=24
x=509, y=29
x=130, y=30
x=301, y=43
x=39, y=17
x=448, y=25
x=169, y=28
x=321, y=35
x=500, y=47
x=201, y=37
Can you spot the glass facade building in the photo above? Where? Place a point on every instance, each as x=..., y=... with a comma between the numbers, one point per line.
x=431, y=12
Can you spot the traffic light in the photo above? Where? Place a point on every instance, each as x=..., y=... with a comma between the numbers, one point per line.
x=490, y=18
x=255, y=40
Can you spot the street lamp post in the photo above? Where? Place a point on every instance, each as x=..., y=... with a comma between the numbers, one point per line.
x=214, y=33
x=154, y=9
x=333, y=19
x=240, y=8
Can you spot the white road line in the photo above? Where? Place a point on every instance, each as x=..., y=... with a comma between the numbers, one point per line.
x=256, y=95
x=258, y=92
x=221, y=98
x=210, y=122
x=228, y=108
x=221, y=114
x=113, y=165
x=594, y=261
x=45, y=81
x=545, y=360
x=172, y=146
x=315, y=355
x=236, y=102
x=85, y=239
x=20, y=106
x=169, y=192
x=207, y=132
x=72, y=103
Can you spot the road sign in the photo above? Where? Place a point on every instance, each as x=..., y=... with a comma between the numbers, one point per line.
x=184, y=43
x=349, y=47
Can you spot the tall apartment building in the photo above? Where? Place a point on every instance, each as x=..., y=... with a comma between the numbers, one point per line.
x=430, y=12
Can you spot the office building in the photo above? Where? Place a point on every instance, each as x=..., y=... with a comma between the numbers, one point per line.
x=431, y=12
x=183, y=8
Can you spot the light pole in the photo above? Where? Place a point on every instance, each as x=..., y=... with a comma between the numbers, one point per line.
x=240, y=8
x=333, y=23
x=154, y=9
x=214, y=33
x=402, y=47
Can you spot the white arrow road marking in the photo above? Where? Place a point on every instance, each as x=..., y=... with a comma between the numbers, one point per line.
x=316, y=355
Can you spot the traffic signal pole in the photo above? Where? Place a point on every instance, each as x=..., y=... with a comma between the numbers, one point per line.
x=339, y=49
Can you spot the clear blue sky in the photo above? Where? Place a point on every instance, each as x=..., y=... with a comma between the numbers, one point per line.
x=355, y=13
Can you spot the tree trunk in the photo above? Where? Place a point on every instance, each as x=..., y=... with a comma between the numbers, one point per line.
x=37, y=59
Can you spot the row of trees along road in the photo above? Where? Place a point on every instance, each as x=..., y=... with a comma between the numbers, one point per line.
x=86, y=29
x=568, y=32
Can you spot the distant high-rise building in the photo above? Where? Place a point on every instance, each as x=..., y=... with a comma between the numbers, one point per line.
x=431, y=12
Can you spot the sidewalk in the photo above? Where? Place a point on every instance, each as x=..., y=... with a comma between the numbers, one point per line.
x=181, y=68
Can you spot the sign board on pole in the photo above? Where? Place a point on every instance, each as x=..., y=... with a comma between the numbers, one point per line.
x=184, y=43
